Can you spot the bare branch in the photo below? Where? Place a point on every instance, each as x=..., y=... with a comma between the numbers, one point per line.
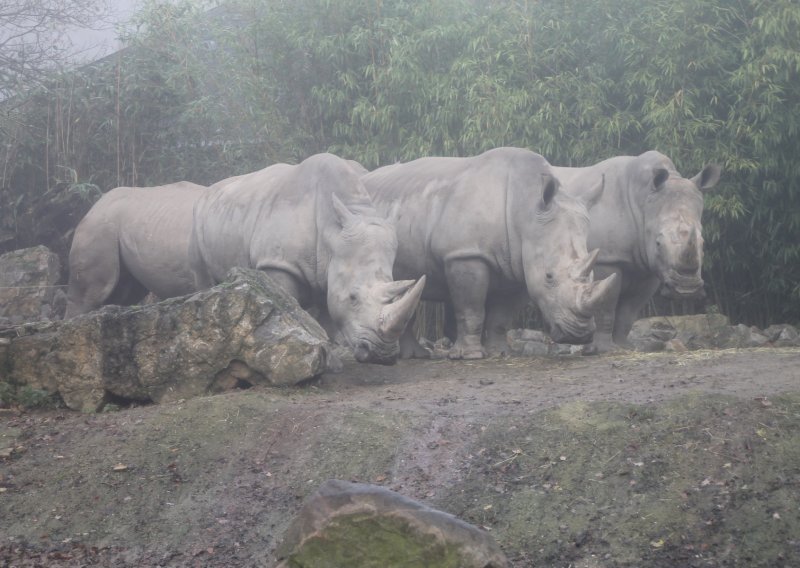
x=33, y=38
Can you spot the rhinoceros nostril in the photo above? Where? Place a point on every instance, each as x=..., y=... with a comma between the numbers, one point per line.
x=362, y=351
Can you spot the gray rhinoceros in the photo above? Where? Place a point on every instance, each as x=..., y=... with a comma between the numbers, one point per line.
x=314, y=229
x=647, y=227
x=133, y=240
x=488, y=230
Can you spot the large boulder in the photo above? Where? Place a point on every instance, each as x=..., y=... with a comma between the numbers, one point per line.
x=28, y=286
x=355, y=524
x=243, y=332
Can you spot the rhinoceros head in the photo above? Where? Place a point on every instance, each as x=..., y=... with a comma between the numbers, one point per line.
x=558, y=266
x=673, y=231
x=369, y=309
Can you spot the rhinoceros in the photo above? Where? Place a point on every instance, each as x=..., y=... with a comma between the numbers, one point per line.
x=648, y=229
x=313, y=228
x=487, y=230
x=131, y=241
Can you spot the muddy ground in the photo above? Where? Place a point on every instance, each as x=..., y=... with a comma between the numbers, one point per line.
x=689, y=459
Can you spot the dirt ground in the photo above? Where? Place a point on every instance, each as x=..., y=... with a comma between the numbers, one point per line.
x=680, y=459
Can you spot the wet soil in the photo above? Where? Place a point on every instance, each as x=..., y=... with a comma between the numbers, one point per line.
x=681, y=459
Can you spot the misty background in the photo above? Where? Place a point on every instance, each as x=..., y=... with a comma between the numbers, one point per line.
x=205, y=91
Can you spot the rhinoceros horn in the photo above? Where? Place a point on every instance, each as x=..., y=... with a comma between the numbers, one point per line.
x=595, y=294
x=396, y=315
x=583, y=266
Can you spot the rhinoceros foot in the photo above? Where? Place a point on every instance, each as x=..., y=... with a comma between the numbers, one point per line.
x=466, y=350
x=410, y=348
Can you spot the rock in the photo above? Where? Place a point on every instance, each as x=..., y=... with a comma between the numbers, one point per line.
x=783, y=335
x=651, y=334
x=697, y=332
x=563, y=349
x=650, y=345
x=441, y=348
x=527, y=342
x=675, y=346
x=584, y=350
x=710, y=331
x=28, y=291
x=733, y=337
x=694, y=332
x=354, y=524
x=757, y=338
x=243, y=332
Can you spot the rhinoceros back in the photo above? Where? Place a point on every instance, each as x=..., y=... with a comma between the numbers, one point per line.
x=278, y=218
x=458, y=208
x=142, y=233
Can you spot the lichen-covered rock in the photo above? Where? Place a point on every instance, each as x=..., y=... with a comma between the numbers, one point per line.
x=28, y=286
x=354, y=524
x=651, y=334
x=527, y=342
x=711, y=331
x=783, y=335
x=243, y=332
x=534, y=343
x=694, y=332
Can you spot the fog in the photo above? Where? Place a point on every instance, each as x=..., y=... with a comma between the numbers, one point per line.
x=103, y=38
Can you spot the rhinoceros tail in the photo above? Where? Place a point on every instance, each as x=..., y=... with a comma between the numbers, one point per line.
x=96, y=274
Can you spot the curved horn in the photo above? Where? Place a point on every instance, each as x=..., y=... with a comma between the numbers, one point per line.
x=391, y=290
x=596, y=294
x=395, y=316
x=583, y=270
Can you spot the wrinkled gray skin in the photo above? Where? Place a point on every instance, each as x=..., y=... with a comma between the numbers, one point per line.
x=131, y=241
x=648, y=229
x=313, y=228
x=488, y=231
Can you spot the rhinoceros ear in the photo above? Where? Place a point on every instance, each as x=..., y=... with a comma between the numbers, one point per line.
x=346, y=217
x=707, y=178
x=660, y=176
x=550, y=187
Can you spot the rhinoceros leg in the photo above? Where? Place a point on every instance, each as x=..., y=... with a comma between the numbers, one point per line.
x=104, y=281
x=468, y=283
x=635, y=294
x=409, y=345
x=604, y=315
x=500, y=311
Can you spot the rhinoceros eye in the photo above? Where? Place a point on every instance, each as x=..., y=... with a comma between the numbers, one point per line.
x=549, y=278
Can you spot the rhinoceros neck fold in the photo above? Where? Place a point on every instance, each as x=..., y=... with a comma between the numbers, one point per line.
x=513, y=248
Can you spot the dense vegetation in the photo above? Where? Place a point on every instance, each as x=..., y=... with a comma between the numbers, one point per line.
x=202, y=96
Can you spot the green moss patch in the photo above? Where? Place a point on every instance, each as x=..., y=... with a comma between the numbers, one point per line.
x=658, y=485
x=371, y=541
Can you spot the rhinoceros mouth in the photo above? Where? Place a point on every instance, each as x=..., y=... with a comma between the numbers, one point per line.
x=677, y=285
x=366, y=351
x=576, y=331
